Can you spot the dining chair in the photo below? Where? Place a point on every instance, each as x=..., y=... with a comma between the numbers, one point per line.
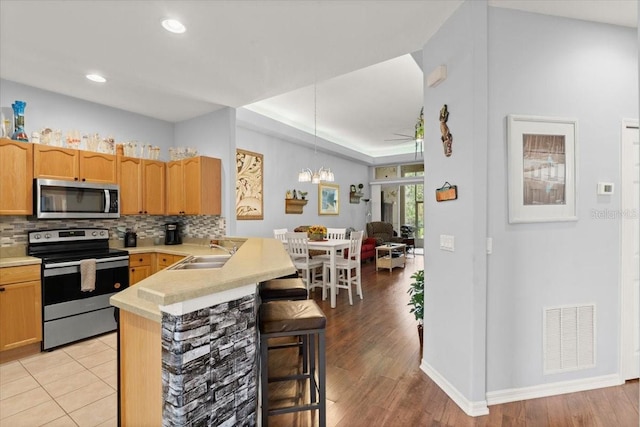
x=333, y=234
x=344, y=269
x=280, y=234
x=299, y=253
x=336, y=233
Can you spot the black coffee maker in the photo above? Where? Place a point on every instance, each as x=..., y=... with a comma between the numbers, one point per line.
x=172, y=233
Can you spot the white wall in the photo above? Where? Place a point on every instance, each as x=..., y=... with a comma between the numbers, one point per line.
x=455, y=288
x=52, y=110
x=282, y=162
x=549, y=66
x=213, y=135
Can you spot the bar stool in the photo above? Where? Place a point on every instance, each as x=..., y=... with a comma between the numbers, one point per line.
x=295, y=318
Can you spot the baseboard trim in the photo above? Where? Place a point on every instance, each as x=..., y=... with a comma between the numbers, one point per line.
x=552, y=389
x=473, y=409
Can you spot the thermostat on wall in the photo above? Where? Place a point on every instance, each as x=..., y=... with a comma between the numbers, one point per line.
x=605, y=188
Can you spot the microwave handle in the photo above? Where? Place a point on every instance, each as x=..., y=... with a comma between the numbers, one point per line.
x=107, y=201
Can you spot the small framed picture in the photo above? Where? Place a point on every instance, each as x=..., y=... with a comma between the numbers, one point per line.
x=328, y=199
x=542, y=169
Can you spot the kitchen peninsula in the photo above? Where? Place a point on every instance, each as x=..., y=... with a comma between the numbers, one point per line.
x=187, y=341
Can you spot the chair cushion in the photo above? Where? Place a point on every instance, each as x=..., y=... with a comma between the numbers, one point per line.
x=290, y=316
x=282, y=289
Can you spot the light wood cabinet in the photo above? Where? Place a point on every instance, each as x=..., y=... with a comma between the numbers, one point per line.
x=194, y=186
x=142, y=186
x=98, y=167
x=73, y=165
x=20, y=306
x=16, y=177
x=165, y=260
x=140, y=267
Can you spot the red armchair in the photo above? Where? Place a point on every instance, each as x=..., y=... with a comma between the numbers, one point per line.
x=367, y=251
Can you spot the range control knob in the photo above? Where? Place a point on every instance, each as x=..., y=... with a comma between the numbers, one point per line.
x=37, y=236
x=47, y=236
x=94, y=234
x=102, y=233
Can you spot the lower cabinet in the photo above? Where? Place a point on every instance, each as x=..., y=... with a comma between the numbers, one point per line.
x=165, y=260
x=20, y=307
x=140, y=267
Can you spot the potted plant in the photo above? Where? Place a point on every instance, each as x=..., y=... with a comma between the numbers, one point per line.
x=416, y=300
x=303, y=194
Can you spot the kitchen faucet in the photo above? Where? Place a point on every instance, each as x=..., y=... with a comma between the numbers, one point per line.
x=229, y=251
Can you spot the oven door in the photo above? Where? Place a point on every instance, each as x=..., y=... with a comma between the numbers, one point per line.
x=71, y=315
x=61, y=281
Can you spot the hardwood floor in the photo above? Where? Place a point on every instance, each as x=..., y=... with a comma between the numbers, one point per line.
x=374, y=377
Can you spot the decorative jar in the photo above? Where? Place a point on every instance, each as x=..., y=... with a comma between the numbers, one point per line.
x=18, y=121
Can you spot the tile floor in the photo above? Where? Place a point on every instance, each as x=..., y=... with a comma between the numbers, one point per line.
x=72, y=386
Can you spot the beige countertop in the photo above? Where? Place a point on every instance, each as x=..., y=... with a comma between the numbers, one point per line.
x=16, y=261
x=256, y=260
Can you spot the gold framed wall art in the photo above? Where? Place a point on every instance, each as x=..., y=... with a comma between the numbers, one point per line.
x=249, y=185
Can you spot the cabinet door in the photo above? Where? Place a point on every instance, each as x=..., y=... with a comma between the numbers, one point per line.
x=130, y=179
x=175, y=185
x=164, y=261
x=138, y=273
x=20, y=314
x=153, y=187
x=16, y=177
x=98, y=167
x=192, y=186
x=55, y=162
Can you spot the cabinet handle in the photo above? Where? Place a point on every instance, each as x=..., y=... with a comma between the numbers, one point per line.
x=83, y=179
x=133, y=269
x=140, y=260
x=145, y=211
x=139, y=212
x=1, y=289
x=75, y=179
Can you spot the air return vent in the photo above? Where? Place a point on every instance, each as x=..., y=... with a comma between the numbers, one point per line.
x=569, y=338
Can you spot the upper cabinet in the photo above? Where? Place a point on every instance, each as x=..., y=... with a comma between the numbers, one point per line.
x=142, y=186
x=194, y=186
x=74, y=165
x=16, y=177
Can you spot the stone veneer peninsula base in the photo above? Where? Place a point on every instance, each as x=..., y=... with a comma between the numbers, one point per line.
x=187, y=342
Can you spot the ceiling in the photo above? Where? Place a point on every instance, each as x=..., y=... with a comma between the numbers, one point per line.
x=342, y=69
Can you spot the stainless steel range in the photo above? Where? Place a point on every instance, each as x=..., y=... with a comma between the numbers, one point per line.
x=68, y=313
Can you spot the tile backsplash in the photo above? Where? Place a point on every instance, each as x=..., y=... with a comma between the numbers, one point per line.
x=14, y=229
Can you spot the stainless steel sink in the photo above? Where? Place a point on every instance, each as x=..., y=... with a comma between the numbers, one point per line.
x=211, y=258
x=198, y=265
x=202, y=262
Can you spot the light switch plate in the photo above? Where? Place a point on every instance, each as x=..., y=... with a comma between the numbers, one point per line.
x=605, y=188
x=447, y=243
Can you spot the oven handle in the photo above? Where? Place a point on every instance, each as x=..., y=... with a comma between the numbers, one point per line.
x=77, y=263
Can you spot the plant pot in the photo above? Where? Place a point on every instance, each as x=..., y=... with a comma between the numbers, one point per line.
x=420, y=336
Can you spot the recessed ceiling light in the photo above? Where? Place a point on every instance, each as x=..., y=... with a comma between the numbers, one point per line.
x=96, y=78
x=174, y=26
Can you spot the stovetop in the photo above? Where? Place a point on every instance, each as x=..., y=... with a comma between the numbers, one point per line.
x=72, y=244
x=78, y=256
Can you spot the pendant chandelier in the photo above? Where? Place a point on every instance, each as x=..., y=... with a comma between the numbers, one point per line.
x=322, y=174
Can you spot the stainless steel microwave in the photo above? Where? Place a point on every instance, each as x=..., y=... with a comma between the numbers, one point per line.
x=56, y=199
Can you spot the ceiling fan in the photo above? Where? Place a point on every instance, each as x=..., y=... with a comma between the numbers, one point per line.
x=418, y=134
